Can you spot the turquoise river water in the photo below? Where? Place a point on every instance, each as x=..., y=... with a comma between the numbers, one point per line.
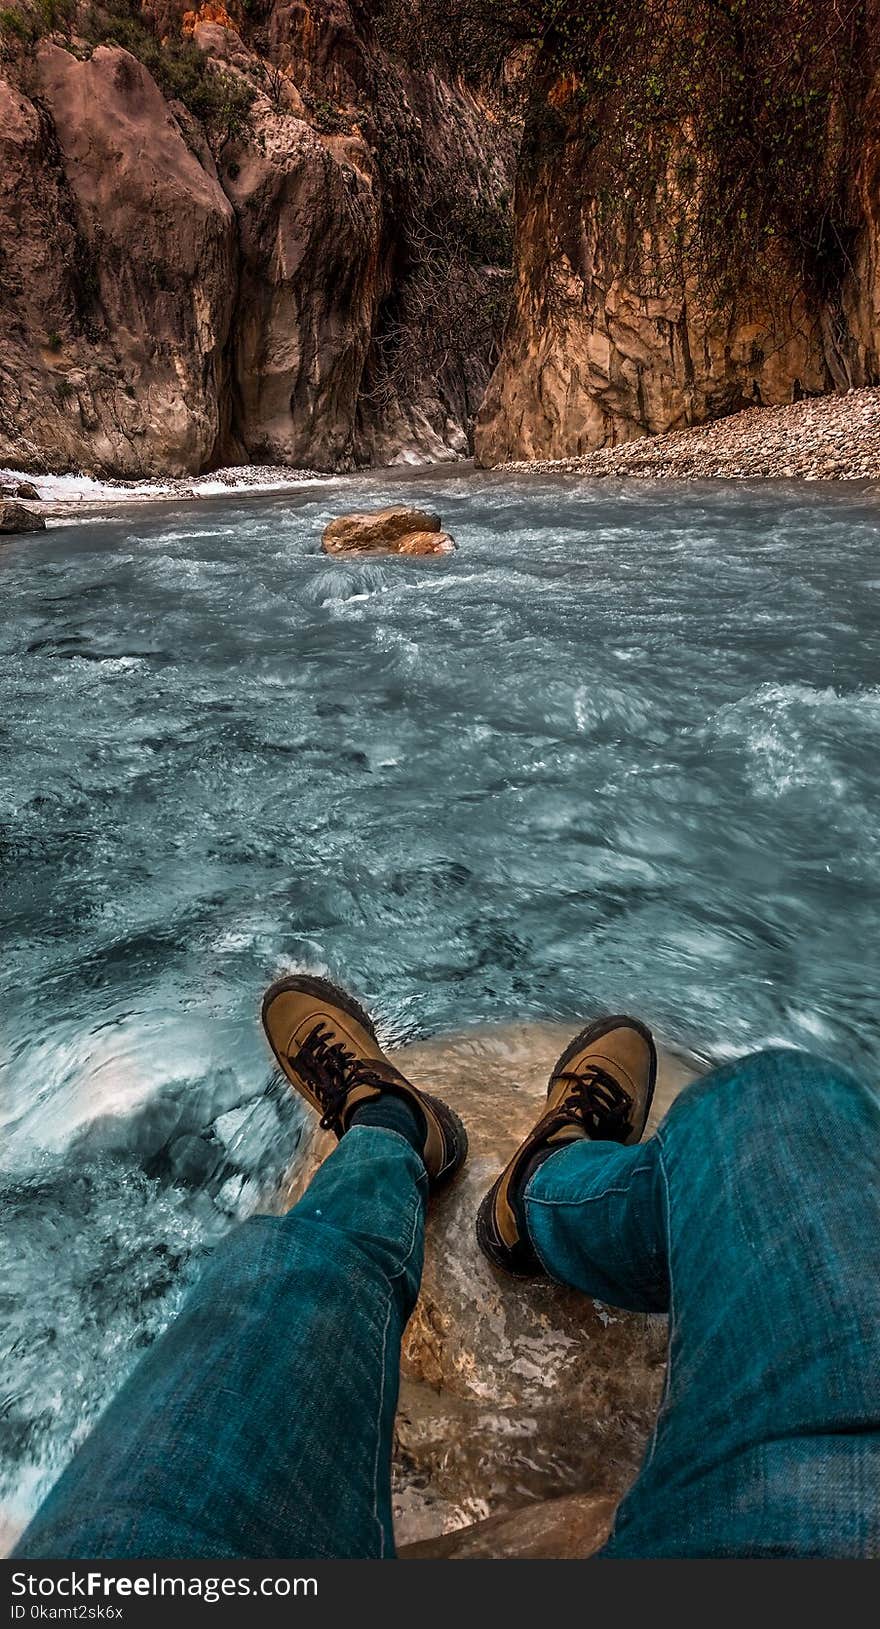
x=620, y=750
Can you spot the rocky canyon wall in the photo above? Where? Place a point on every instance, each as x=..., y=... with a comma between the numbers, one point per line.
x=279, y=231
x=625, y=320
x=119, y=266
x=596, y=353
x=270, y=279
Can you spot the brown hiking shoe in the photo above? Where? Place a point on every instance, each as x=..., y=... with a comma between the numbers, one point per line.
x=601, y=1088
x=327, y=1047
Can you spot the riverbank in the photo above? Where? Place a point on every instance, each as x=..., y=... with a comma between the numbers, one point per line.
x=63, y=496
x=823, y=438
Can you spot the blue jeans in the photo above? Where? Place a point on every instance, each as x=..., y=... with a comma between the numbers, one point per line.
x=260, y=1425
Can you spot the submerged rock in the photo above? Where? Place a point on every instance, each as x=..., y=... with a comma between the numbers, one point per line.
x=565, y=1529
x=17, y=517
x=427, y=543
x=387, y=531
x=514, y=1392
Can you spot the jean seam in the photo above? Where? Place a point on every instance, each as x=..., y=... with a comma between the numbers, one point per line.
x=416, y=1212
x=670, y=1332
x=531, y=1199
x=392, y=1277
x=652, y=1441
x=588, y=1199
x=376, y=1516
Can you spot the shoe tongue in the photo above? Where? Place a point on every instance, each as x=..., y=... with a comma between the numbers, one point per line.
x=583, y=1069
x=357, y=1098
x=367, y=1093
x=366, y=1090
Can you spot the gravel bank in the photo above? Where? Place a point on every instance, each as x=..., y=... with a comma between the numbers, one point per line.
x=825, y=438
x=61, y=496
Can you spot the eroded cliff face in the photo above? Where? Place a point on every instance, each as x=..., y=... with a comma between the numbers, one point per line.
x=614, y=335
x=594, y=355
x=310, y=229
x=860, y=301
x=119, y=275
x=325, y=281
x=174, y=297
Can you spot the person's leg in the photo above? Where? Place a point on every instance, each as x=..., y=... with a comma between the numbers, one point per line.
x=756, y=1211
x=260, y=1424
x=596, y=1217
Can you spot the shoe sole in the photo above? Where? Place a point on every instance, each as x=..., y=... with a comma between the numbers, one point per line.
x=324, y=990
x=501, y=1255
x=456, y=1135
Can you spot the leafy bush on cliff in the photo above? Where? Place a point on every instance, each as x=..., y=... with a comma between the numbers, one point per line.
x=183, y=73
x=23, y=24
x=221, y=101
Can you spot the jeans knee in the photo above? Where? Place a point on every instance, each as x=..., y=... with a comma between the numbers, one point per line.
x=773, y=1085
x=781, y=1068
x=787, y=1071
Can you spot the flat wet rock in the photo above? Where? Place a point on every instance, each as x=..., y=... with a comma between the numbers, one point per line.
x=513, y=1392
x=564, y=1529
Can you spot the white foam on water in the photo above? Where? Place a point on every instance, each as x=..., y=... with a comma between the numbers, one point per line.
x=789, y=734
x=88, y=492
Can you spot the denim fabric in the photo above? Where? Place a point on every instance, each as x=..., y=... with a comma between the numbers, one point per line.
x=260, y=1424
x=754, y=1216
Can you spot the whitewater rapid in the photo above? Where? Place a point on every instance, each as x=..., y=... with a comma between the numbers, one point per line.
x=620, y=750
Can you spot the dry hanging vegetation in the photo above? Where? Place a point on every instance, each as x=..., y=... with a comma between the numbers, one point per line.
x=750, y=110
x=450, y=214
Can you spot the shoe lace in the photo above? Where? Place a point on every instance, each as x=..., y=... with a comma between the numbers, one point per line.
x=333, y=1072
x=598, y=1101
